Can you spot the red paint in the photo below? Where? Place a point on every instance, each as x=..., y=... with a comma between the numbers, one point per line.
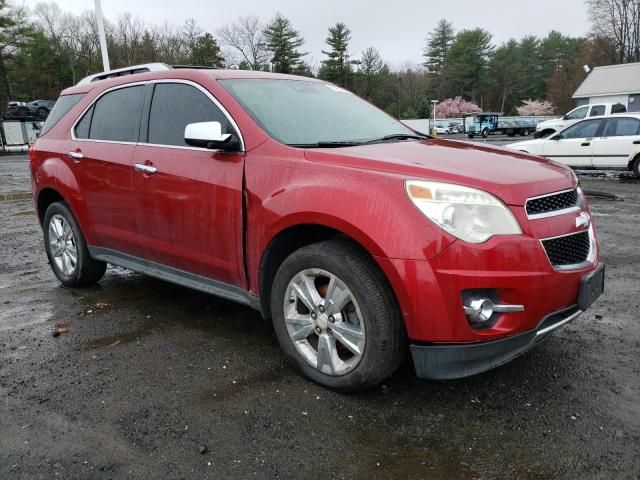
x=190, y=214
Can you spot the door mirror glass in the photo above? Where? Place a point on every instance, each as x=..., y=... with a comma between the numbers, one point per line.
x=207, y=135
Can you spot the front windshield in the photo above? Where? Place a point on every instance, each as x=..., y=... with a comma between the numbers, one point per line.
x=308, y=113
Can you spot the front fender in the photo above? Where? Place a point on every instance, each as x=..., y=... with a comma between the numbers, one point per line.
x=372, y=210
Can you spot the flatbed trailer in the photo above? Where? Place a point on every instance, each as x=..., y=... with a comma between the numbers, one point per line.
x=489, y=123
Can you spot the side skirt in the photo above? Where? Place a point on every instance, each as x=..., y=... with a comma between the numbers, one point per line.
x=174, y=275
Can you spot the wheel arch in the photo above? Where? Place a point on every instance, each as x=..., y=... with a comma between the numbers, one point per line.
x=46, y=197
x=290, y=239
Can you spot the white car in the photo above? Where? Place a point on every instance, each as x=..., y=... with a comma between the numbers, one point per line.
x=442, y=130
x=611, y=142
x=546, y=128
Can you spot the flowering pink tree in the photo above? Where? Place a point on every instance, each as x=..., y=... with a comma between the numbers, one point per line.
x=535, y=107
x=455, y=107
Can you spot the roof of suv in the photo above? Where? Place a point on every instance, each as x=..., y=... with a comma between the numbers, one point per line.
x=184, y=73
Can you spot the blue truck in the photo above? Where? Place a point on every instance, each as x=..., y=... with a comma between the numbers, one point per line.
x=489, y=123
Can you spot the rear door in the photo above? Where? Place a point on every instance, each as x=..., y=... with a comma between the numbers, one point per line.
x=189, y=209
x=573, y=146
x=102, y=145
x=619, y=139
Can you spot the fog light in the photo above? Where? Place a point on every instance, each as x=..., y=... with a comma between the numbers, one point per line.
x=480, y=310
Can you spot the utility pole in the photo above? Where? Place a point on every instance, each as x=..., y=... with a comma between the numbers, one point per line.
x=103, y=38
x=433, y=130
x=638, y=32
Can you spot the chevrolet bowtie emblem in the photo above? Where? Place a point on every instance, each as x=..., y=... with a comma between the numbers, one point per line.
x=583, y=220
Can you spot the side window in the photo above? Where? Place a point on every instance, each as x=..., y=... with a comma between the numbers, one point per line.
x=116, y=115
x=597, y=110
x=82, y=127
x=175, y=105
x=577, y=114
x=621, y=127
x=582, y=129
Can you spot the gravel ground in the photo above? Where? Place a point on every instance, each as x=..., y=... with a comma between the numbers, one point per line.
x=153, y=380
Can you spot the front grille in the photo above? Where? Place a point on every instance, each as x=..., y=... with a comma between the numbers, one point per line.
x=568, y=250
x=552, y=203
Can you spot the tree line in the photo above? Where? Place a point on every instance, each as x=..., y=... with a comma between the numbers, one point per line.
x=45, y=50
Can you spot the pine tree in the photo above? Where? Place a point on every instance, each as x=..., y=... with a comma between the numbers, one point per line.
x=206, y=51
x=337, y=67
x=283, y=41
x=438, y=43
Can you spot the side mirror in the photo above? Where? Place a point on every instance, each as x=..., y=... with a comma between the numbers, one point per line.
x=209, y=135
x=557, y=137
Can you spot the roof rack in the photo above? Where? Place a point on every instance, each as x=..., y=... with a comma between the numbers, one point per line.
x=147, y=67
x=197, y=67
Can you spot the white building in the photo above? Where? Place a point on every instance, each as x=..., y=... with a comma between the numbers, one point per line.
x=612, y=84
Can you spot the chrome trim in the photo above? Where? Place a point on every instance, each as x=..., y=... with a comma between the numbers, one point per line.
x=150, y=67
x=553, y=213
x=591, y=257
x=559, y=324
x=498, y=308
x=164, y=80
x=148, y=169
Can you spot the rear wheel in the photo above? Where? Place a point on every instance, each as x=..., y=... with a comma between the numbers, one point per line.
x=336, y=317
x=67, y=250
x=485, y=133
x=635, y=167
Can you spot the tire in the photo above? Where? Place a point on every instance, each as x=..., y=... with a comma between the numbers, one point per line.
x=485, y=133
x=635, y=166
x=58, y=220
x=469, y=135
x=23, y=112
x=525, y=133
x=43, y=112
x=367, y=307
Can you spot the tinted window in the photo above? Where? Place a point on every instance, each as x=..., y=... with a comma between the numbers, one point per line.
x=582, y=129
x=577, y=114
x=597, y=110
x=621, y=127
x=618, y=108
x=116, y=116
x=82, y=127
x=60, y=109
x=174, y=106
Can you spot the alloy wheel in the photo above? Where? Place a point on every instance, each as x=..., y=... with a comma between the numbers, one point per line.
x=62, y=244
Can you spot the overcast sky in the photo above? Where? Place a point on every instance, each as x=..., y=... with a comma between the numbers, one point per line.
x=397, y=28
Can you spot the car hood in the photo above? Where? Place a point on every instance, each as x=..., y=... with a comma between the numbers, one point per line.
x=511, y=176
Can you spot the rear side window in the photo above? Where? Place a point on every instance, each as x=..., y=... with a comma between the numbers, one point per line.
x=621, y=127
x=82, y=127
x=174, y=106
x=597, y=110
x=60, y=109
x=116, y=115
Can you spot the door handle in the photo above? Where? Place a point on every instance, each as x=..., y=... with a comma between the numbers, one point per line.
x=76, y=155
x=585, y=144
x=148, y=169
x=637, y=142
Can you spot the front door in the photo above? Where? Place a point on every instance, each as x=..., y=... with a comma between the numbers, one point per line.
x=573, y=145
x=102, y=151
x=188, y=200
x=619, y=139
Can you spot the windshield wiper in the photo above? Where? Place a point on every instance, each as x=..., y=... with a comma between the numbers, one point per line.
x=400, y=136
x=337, y=144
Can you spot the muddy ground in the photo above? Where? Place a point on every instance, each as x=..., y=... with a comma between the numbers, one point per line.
x=153, y=380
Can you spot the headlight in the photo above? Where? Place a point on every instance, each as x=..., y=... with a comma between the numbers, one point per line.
x=471, y=215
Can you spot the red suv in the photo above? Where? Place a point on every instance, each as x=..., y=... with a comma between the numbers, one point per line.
x=355, y=234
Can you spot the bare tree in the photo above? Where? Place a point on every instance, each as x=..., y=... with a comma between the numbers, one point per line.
x=245, y=37
x=618, y=20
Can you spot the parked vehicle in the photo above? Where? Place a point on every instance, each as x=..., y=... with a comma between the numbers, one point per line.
x=37, y=108
x=358, y=238
x=598, y=142
x=442, y=130
x=546, y=128
x=489, y=123
x=455, y=128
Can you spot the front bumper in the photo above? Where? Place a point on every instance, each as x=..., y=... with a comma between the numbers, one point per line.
x=449, y=361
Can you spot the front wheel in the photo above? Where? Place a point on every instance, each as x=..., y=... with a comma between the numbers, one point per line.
x=485, y=133
x=67, y=250
x=336, y=318
x=636, y=166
